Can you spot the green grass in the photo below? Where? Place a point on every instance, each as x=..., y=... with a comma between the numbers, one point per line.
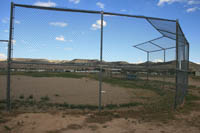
x=7, y=128
x=155, y=86
x=190, y=104
x=45, y=104
x=21, y=96
x=30, y=96
x=191, y=97
x=143, y=84
x=47, y=74
x=195, y=78
x=161, y=108
x=45, y=98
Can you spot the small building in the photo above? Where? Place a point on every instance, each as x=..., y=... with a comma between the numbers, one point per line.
x=197, y=73
x=131, y=76
x=114, y=70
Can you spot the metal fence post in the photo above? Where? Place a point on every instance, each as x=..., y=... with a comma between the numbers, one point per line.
x=147, y=66
x=164, y=55
x=185, y=74
x=188, y=63
x=164, y=71
x=9, y=57
x=177, y=65
x=101, y=57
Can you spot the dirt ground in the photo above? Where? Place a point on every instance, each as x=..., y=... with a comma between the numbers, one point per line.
x=78, y=123
x=70, y=90
x=125, y=120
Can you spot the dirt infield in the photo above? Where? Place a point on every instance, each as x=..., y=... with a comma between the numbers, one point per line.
x=69, y=90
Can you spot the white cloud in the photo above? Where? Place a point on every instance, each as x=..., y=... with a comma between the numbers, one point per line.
x=107, y=15
x=4, y=20
x=193, y=2
x=45, y=4
x=97, y=25
x=75, y=1
x=2, y=56
x=189, y=2
x=5, y=30
x=162, y=2
x=123, y=10
x=158, y=60
x=193, y=9
x=59, y=24
x=17, y=22
x=67, y=49
x=100, y=5
x=60, y=38
x=138, y=62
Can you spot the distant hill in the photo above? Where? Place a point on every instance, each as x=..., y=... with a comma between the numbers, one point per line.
x=31, y=60
x=194, y=66
x=120, y=62
x=84, y=61
x=168, y=65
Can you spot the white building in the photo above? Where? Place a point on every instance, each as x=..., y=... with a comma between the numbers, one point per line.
x=197, y=73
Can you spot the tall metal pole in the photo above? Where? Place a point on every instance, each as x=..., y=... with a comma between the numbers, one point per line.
x=101, y=57
x=164, y=72
x=188, y=56
x=177, y=65
x=147, y=66
x=188, y=64
x=9, y=57
x=185, y=72
x=164, y=55
x=185, y=60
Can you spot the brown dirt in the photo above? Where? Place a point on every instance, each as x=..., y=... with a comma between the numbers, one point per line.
x=84, y=121
x=71, y=90
x=60, y=123
x=194, y=82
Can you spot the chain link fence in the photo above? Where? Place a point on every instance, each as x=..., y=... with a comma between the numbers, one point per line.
x=3, y=65
x=80, y=58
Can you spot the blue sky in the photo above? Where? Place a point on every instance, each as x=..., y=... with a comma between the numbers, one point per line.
x=66, y=36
